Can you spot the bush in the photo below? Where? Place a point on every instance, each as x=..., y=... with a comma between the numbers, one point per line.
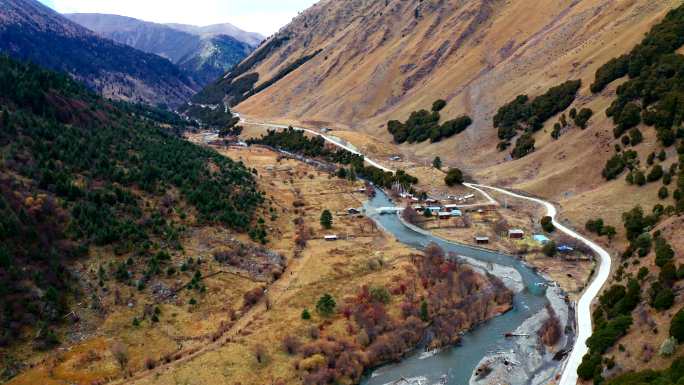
x=656, y=173
x=326, y=305
x=454, y=177
x=438, y=105
x=667, y=348
x=582, y=118
x=664, y=252
x=306, y=315
x=614, y=167
x=549, y=249
x=326, y=219
x=677, y=326
x=380, y=294
x=523, y=146
x=547, y=224
x=595, y=226
x=663, y=193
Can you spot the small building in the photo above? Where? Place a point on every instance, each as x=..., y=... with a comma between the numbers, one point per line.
x=444, y=214
x=481, y=240
x=456, y=213
x=433, y=209
x=565, y=249
x=331, y=238
x=516, y=234
x=418, y=207
x=451, y=207
x=353, y=211
x=541, y=239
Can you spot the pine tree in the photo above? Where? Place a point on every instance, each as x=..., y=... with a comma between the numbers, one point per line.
x=326, y=219
x=437, y=163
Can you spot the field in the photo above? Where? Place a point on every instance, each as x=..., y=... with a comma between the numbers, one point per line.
x=220, y=333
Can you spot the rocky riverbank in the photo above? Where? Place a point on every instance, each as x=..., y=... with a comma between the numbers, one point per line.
x=529, y=361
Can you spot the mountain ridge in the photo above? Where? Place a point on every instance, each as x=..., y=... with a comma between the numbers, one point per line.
x=204, y=56
x=28, y=29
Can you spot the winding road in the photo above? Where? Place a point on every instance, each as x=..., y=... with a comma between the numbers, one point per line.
x=583, y=306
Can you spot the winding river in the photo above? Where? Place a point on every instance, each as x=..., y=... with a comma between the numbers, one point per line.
x=456, y=364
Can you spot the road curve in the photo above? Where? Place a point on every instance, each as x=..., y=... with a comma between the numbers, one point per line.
x=583, y=308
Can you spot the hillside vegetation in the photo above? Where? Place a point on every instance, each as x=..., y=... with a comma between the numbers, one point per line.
x=81, y=173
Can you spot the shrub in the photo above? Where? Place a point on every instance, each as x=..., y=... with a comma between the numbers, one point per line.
x=656, y=173
x=523, y=146
x=326, y=219
x=437, y=163
x=326, y=305
x=668, y=347
x=454, y=177
x=663, y=193
x=549, y=249
x=635, y=136
x=614, y=167
x=306, y=315
x=664, y=252
x=438, y=105
x=583, y=117
x=595, y=226
x=380, y=294
x=677, y=326
x=291, y=344
x=547, y=224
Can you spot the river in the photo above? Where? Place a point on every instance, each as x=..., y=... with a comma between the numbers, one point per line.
x=456, y=364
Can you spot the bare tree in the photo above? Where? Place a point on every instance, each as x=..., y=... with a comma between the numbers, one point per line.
x=120, y=353
x=410, y=215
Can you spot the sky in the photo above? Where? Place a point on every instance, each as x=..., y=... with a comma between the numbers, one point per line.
x=263, y=16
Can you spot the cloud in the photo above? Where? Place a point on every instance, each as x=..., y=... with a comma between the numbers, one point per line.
x=264, y=16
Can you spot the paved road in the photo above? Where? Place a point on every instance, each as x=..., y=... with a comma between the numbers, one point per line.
x=583, y=308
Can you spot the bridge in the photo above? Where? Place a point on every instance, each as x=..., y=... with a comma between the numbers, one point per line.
x=384, y=210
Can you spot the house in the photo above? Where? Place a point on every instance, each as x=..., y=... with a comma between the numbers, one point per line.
x=451, y=207
x=353, y=211
x=331, y=238
x=481, y=240
x=434, y=209
x=516, y=234
x=541, y=239
x=565, y=249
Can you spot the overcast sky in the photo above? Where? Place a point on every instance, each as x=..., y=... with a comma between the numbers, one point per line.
x=263, y=16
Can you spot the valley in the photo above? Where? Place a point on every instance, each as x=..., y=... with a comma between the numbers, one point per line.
x=389, y=192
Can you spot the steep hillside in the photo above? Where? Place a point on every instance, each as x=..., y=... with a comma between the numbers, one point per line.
x=204, y=56
x=601, y=137
x=83, y=178
x=382, y=60
x=31, y=31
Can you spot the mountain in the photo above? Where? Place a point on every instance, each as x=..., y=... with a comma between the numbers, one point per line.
x=251, y=38
x=576, y=101
x=34, y=32
x=114, y=178
x=202, y=54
